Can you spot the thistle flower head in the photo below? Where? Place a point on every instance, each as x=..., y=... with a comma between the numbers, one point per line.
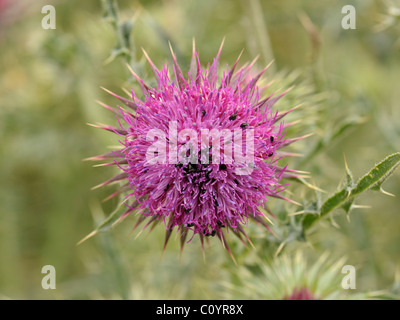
x=291, y=277
x=199, y=152
x=301, y=294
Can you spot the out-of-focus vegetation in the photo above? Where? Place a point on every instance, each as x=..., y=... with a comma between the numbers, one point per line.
x=348, y=81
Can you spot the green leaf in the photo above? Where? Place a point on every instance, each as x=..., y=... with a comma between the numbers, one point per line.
x=334, y=201
x=348, y=205
x=378, y=175
x=111, y=219
x=124, y=33
x=110, y=11
x=107, y=223
x=344, y=198
x=349, y=183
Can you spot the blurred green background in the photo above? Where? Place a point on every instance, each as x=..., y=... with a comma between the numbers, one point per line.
x=50, y=79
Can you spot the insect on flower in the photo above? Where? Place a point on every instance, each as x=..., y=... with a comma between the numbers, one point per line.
x=175, y=168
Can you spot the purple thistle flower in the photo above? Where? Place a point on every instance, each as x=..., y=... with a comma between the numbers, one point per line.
x=196, y=190
x=301, y=294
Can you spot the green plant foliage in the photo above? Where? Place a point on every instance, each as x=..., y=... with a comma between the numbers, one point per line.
x=345, y=196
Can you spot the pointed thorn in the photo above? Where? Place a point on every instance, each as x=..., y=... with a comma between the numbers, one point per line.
x=153, y=66
x=237, y=234
x=126, y=213
x=311, y=186
x=184, y=232
x=280, y=248
x=283, y=114
x=112, y=195
x=286, y=199
x=220, y=47
x=141, y=218
x=87, y=237
x=334, y=223
x=169, y=231
x=124, y=161
x=106, y=106
x=104, y=156
x=137, y=77
x=139, y=233
x=149, y=60
x=240, y=228
x=359, y=206
x=193, y=68
x=152, y=219
x=167, y=236
x=279, y=169
x=152, y=227
x=293, y=123
x=193, y=46
x=296, y=213
x=290, y=141
x=98, y=186
x=293, y=176
x=122, y=217
x=265, y=216
x=179, y=75
x=232, y=70
x=117, y=178
x=288, y=154
x=221, y=236
x=258, y=76
x=345, y=163
x=387, y=193
x=202, y=247
x=125, y=101
x=109, y=128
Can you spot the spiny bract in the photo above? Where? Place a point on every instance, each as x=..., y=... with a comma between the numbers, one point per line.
x=208, y=195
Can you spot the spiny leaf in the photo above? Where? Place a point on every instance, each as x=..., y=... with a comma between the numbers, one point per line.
x=349, y=183
x=308, y=220
x=106, y=224
x=307, y=184
x=110, y=11
x=378, y=175
x=344, y=198
x=347, y=206
x=124, y=32
x=334, y=201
